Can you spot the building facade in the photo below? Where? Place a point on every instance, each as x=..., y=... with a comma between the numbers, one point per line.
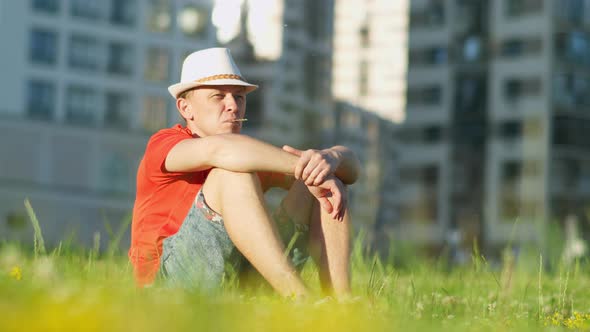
x=369, y=79
x=495, y=110
x=84, y=84
x=370, y=55
x=303, y=117
x=373, y=198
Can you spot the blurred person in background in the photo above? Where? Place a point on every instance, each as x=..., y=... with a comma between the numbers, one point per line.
x=200, y=207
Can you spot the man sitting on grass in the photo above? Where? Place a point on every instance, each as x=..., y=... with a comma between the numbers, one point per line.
x=200, y=204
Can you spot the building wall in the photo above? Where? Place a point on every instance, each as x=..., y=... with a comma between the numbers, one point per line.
x=522, y=197
x=69, y=143
x=372, y=199
x=80, y=169
x=526, y=60
x=370, y=55
x=302, y=88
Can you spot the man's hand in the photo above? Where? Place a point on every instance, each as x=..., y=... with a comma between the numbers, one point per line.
x=331, y=194
x=314, y=166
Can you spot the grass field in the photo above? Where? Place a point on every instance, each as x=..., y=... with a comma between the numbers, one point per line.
x=92, y=290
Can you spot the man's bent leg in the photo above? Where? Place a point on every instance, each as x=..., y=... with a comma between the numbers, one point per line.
x=239, y=199
x=329, y=239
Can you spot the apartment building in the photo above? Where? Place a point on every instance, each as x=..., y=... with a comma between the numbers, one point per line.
x=370, y=55
x=303, y=116
x=493, y=144
x=83, y=86
x=369, y=79
x=373, y=199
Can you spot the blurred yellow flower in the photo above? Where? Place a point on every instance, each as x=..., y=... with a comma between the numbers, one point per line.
x=16, y=273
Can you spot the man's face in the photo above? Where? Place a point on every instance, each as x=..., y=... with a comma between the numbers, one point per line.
x=215, y=109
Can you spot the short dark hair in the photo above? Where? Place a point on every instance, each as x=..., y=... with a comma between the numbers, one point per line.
x=185, y=94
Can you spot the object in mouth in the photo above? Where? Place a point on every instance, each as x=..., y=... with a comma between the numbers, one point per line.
x=240, y=120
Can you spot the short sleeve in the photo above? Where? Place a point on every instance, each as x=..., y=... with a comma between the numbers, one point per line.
x=157, y=150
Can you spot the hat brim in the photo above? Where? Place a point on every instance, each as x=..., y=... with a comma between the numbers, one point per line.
x=178, y=88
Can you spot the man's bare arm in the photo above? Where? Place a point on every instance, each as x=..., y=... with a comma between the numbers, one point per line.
x=240, y=153
x=349, y=168
x=232, y=152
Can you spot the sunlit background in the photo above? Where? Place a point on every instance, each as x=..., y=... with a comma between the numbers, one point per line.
x=470, y=117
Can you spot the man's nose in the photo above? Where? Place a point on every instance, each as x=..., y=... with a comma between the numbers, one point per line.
x=231, y=103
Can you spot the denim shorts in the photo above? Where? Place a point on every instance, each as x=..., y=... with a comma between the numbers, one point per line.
x=201, y=254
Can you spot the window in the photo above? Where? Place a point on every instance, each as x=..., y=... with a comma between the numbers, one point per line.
x=318, y=19
x=434, y=55
x=432, y=134
x=509, y=195
x=532, y=168
x=43, y=46
x=518, y=47
x=523, y=7
x=350, y=119
x=517, y=88
x=472, y=49
x=84, y=53
x=115, y=174
x=511, y=171
x=192, y=20
x=427, y=95
x=364, y=35
x=48, y=6
x=81, y=106
x=154, y=113
x=123, y=12
x=573, y=46
x=425, y=208
x=430, y=176
x=571, y=89
x=427, y=14
x=572, y=11
x=316, y=70
x=470, y=94
x=88, y=9
x=41, y=99
x=510, y=130
x=117, y=110
x=533, y=127
x=159, y=15
x=290, y=85
x=157, y=65
x=363, y=78
x=511, y=206
x=571, y=131
x=121, y=58
x=572, y=173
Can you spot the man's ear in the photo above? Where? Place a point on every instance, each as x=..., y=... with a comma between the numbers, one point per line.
x=185, y=109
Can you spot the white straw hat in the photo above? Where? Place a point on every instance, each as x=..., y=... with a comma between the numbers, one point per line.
x=212, y=66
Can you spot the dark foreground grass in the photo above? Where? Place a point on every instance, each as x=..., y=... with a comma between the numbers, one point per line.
x=84, y=290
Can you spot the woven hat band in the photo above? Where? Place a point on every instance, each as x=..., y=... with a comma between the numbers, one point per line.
x=220, y=77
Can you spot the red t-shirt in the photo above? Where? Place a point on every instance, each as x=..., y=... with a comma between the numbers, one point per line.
x=162, y=201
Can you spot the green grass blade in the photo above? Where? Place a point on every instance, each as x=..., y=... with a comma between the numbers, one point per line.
x=38, y=237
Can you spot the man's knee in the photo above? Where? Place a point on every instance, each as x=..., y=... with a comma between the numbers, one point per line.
x=221, y=176
x=220, y=180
